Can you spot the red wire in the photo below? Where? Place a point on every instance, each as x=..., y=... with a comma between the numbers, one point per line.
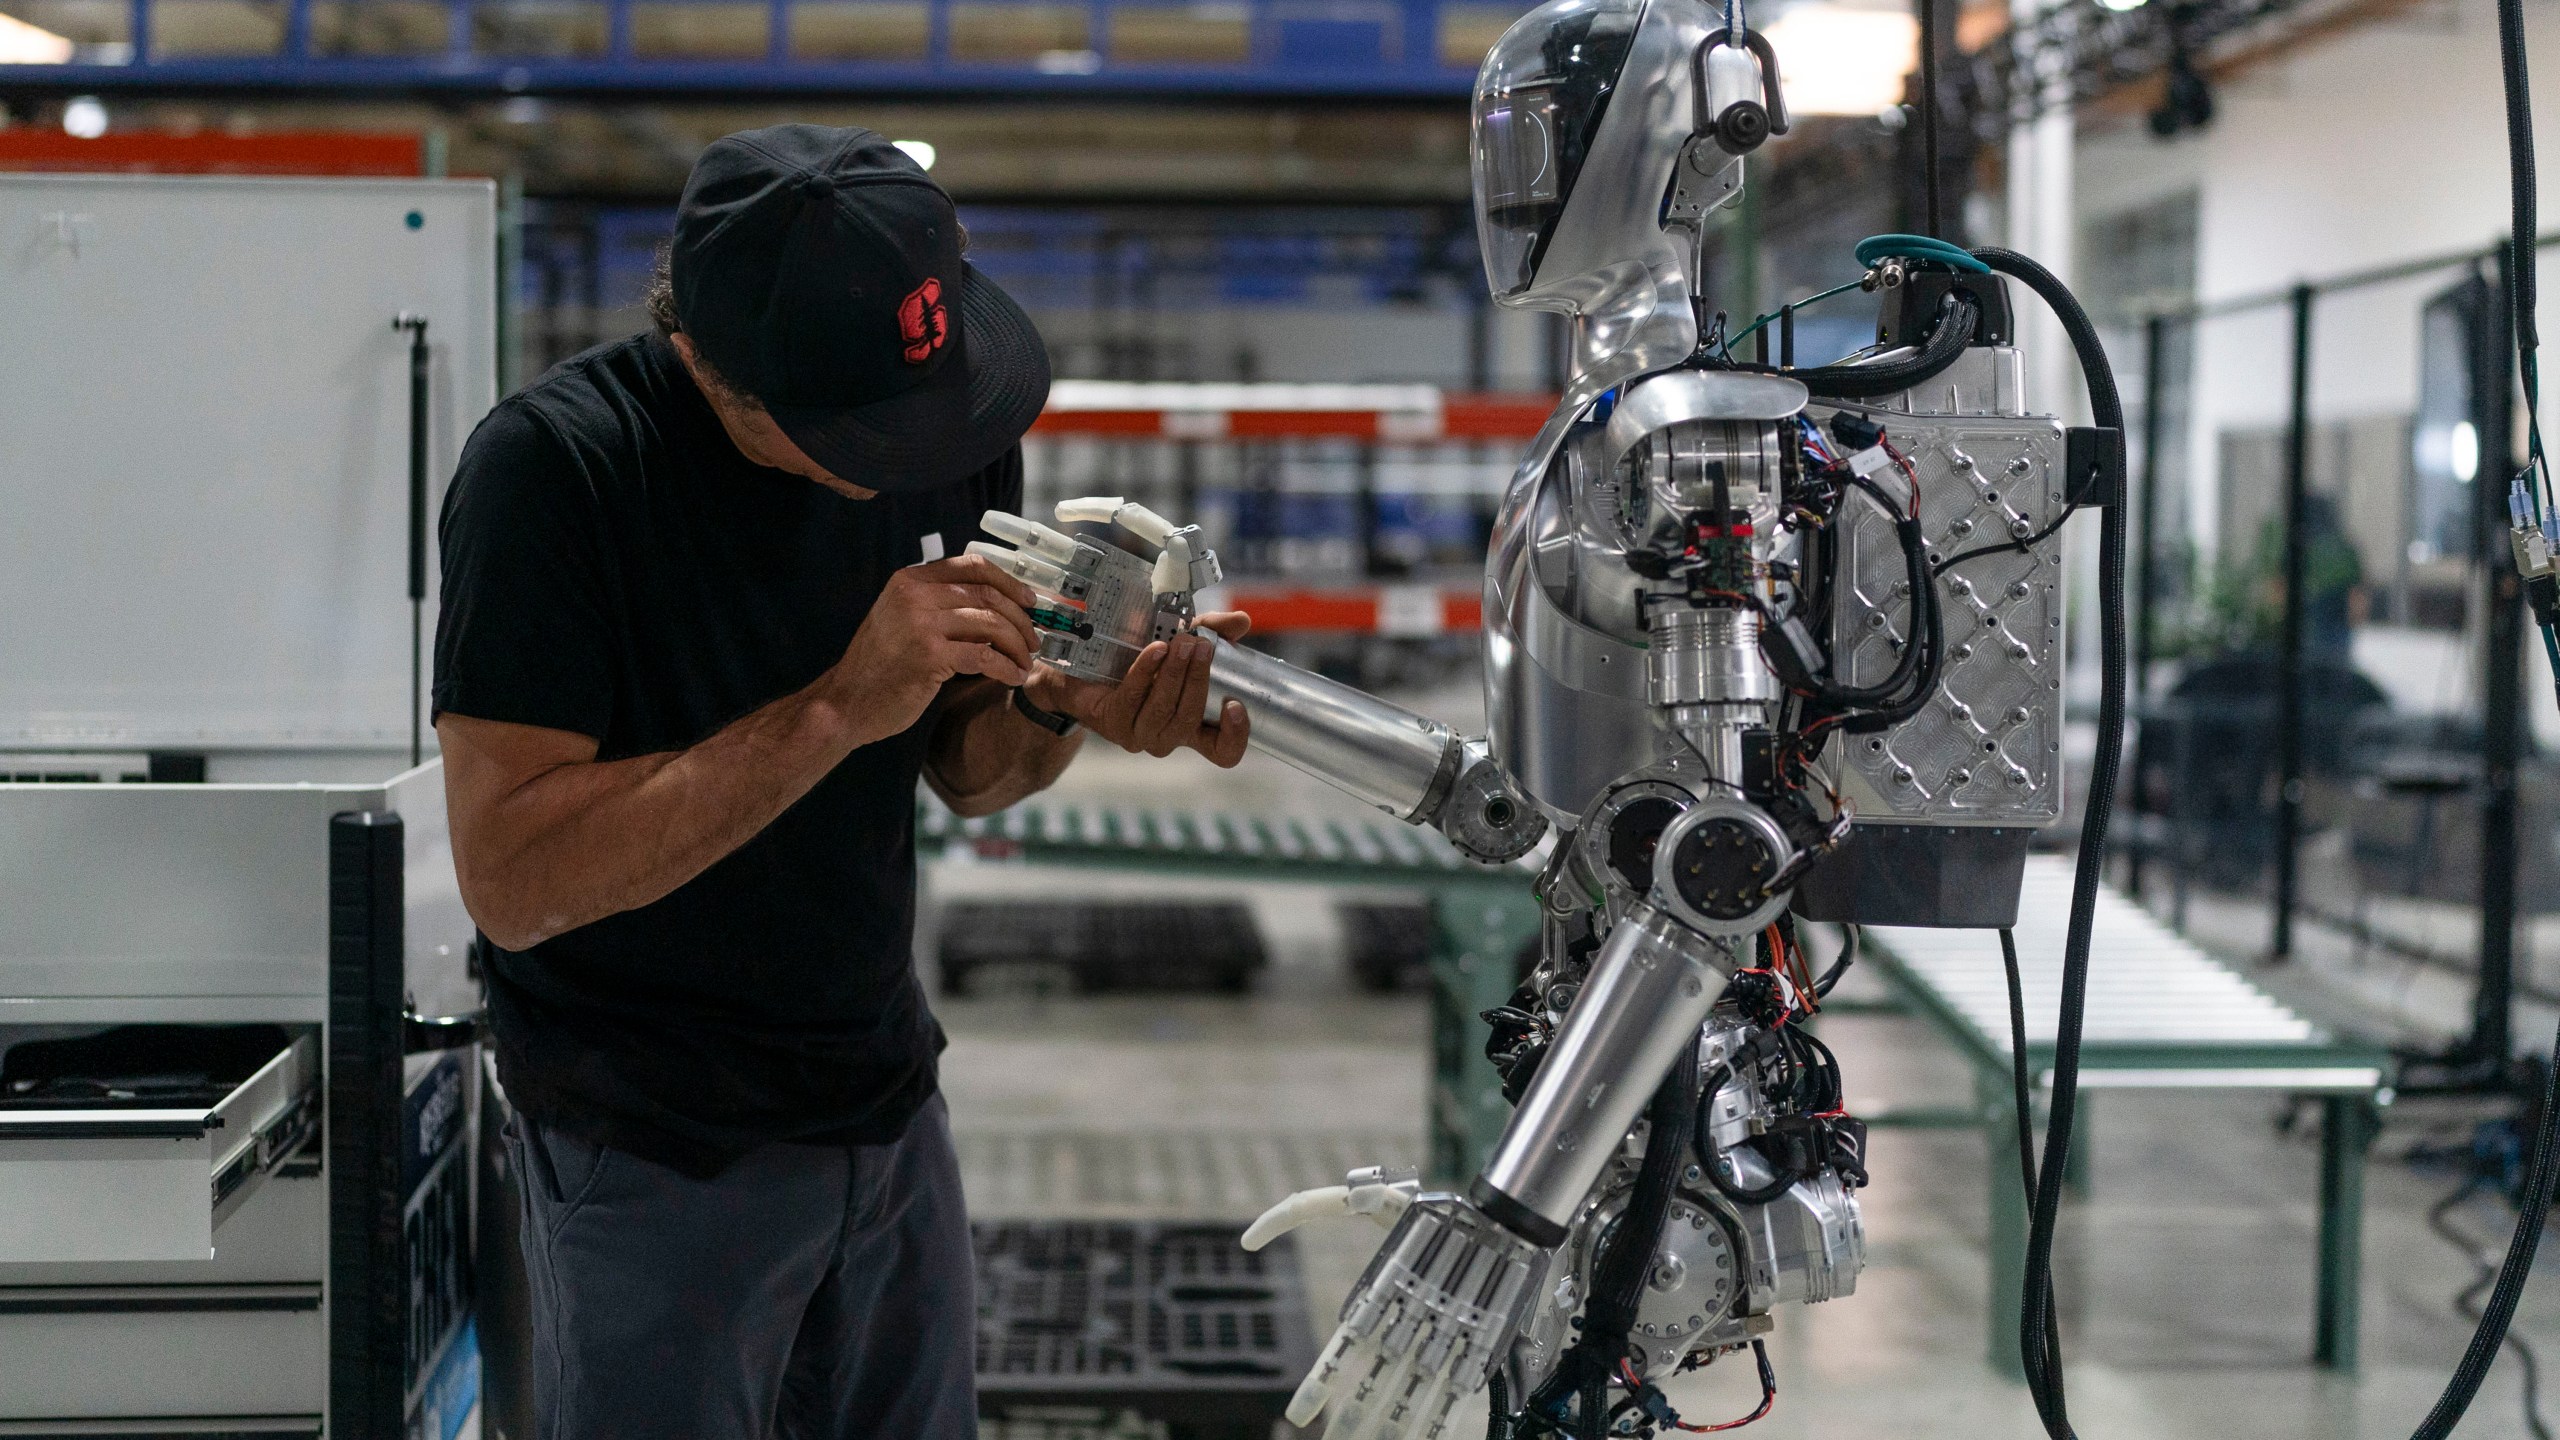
x=1767, y=1403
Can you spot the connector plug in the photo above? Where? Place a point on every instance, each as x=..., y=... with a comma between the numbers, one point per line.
x=2529, y=536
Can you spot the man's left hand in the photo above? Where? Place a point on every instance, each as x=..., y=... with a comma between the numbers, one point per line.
x=1157, y=706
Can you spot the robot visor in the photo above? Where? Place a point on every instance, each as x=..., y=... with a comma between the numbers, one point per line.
x=1539, y=101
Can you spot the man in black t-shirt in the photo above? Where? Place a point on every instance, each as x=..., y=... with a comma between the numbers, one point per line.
x=706, y=621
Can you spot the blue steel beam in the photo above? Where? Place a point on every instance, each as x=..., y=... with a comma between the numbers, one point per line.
x=1378, y=49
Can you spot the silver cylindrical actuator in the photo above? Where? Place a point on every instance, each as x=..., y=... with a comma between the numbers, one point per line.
x=1650, y=988
x=1401, y=762
x=1706, y=656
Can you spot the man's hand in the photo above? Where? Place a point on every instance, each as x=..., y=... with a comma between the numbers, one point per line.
x=1157, y=706
x=932, y=622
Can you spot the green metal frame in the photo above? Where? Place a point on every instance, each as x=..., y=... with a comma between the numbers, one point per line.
x=2350, y=1121
x=1481, y=915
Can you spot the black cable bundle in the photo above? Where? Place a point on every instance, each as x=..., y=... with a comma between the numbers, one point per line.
x=2042, y=1356
x=1618, y=1278
x=1958, y=317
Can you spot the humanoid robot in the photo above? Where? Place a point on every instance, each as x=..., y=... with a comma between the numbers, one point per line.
x=1760, y=643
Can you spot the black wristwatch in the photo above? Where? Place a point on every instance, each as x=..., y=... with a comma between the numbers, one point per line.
x=1049, y=720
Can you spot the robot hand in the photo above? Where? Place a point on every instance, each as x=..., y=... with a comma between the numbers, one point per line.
x=1381, y=1192
x=1100, y=605
x=1432, y=1315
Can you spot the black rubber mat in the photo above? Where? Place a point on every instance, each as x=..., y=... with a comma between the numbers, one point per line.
x=1387, y=946
x=1097, y=946
x=1174, y=1323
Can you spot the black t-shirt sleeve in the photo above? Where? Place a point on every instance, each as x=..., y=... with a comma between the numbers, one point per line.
x=1004, y=489
x=524, y=631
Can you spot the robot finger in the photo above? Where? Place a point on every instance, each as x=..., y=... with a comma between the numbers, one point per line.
x=1030, y=569
x=1309, y=1399
x=1027, y=534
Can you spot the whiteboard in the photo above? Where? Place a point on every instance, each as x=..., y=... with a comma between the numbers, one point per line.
x=204, y=442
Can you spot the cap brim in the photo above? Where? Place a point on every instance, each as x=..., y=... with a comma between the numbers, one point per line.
x=959, y=421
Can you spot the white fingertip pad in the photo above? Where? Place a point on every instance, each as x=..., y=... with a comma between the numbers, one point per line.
x=1169, y=575
x=1029, y=534
x=1144, y=523
x=1309, y=1400
x=1091, y=510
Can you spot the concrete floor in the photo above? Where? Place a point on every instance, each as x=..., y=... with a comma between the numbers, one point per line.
x=2186, y=1278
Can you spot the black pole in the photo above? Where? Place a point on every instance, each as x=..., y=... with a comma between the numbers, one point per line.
x=2297, y=459
x=2155, y=380
x=2502, y=732
x=416, y=325
x=2146, y=582
x=1932, y=206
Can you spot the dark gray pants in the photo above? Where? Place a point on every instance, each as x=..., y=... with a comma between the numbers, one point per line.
x=809, y=1292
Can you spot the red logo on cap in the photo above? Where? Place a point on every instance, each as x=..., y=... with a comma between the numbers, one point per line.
x=922, y=322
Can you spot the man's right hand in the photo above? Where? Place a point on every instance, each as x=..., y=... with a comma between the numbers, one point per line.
x=932, y=622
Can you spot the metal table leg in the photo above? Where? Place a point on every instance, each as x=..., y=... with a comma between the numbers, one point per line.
x=2348, y=1124
x=1477, y=932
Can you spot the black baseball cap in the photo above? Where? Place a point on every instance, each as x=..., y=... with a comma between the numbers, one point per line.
x=818, y=270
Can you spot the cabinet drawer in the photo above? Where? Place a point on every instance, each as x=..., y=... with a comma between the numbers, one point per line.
x=121, y=1175
x=169, y=1351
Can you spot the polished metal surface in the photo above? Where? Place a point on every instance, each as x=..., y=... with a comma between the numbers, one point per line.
x=1707, y=657
x=1485, y=815
x=1651, y=984
x=1675, y=397
x=1807, y=1245
x=1383, y=754
x=1564, y=742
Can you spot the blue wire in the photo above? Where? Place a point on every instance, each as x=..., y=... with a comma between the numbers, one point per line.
x=1918, y=247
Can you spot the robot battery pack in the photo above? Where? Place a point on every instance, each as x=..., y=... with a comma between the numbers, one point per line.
x=1958, y=877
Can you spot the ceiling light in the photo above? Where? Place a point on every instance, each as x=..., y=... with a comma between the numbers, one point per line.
x=920, y=151
x=25, y=44
x=85, y=117
x=2121, y=4
x=1835, y=60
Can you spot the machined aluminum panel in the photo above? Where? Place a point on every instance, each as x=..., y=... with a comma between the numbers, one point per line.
x=1987, y=748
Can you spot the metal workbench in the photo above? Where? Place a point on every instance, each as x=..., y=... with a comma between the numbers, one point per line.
x=2162, y=1015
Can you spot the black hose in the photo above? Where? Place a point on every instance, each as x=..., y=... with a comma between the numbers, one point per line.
x=1958, y=316
x=2107, y=409
x=2509, y=1289
x=2544, y=1171
x=1849, y=938
x=2047, y=1366
x=2439, y=1219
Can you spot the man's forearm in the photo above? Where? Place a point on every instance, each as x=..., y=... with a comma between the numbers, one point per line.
x=984, y=756
x=580, y=841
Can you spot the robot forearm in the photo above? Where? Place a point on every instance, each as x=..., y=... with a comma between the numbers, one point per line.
x=1098, y=606
x=1650, y=987
x=1409, y=765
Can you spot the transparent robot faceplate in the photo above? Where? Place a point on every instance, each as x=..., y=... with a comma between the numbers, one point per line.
x=1540, y=98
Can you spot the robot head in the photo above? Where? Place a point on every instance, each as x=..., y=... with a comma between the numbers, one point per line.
x=1602, y=127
